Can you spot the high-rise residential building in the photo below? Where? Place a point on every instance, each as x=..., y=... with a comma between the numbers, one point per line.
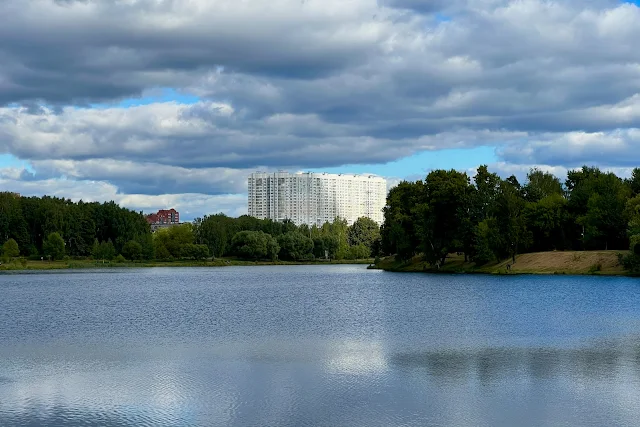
x=316, y=198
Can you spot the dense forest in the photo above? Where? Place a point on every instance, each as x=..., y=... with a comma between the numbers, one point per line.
x=54, y=228
x=38, y=225
x=484, y=217
x=488, y=218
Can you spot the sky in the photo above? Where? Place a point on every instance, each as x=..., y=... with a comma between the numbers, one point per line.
x=167, y=103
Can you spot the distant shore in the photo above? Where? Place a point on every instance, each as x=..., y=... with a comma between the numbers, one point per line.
x=16, y=266
x=605, y=263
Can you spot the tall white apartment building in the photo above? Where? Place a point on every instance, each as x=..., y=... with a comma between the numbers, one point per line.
x=316, y=198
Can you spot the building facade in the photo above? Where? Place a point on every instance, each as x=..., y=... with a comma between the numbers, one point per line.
x=163, y=218
x=316, y=198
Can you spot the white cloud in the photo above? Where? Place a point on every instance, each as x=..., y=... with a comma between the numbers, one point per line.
x=311, y=84
x=190, y=205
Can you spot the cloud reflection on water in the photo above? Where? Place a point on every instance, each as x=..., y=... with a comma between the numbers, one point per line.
x=285, y=386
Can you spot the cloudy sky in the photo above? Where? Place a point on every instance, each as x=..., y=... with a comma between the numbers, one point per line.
x=171, y=103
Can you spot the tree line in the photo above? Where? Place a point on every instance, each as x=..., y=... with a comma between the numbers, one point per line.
x=54, y=228
x=251, y=238
x=484, y=217
x=488, y=218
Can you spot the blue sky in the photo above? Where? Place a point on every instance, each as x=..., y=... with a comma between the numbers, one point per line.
x=415, y=165
x=159, y=95
x=420, y=164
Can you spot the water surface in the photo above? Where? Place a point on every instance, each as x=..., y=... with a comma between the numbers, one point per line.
x=317, y=346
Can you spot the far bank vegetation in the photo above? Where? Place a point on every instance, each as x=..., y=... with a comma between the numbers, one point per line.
x=486, y=220
x=55, y=229
x=449, y=217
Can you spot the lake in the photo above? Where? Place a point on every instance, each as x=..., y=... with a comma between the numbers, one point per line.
x=317, y=346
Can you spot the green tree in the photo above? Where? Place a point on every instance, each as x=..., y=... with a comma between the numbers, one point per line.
x=12, y=221
x=53, y=246
x=364, y=231
x=174, y=238
x=195, y=251
x=547, y=221
x=487, y=186
x=10, y=249
x=148, y=248
x=488, y=241
x=132, y=250
x=604, y=222
x=359, y=252
x=442, y=214
x=540, y=185
x=632, y=212
x=252, y=245
x=399, y=232
x=105, y=251
x=325, y=245
x=161, y=251
x=273, y=248
x=511, y=221
x=216, y=231
x=634, y=182
x=95, y=249
x=295, y=246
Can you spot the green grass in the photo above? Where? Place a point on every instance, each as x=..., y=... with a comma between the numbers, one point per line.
x=16, y=265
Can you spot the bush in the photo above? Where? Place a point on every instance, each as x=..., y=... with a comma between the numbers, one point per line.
x=120, y=259
x=161, y=251
x=254, y=245
x=595, y=268
x=359, y=252
x=631, y=263
x=23, y=262
x=295, y=246
x=197, y=252
x=103, y=251
x=132, y=250
x=10, y=249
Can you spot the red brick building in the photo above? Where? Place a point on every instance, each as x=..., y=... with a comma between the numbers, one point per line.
x=164, y=216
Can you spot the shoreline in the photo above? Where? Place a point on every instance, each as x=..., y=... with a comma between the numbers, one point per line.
x=16, y=266
x=569, y=263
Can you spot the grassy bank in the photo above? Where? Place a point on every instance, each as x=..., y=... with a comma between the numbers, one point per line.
x=570, y=262
x=16, y=265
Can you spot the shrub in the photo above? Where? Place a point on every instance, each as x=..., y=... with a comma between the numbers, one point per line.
x=132, y=250
x=254, y=245
x=10, y=248
x=359, y=252
x=631, y=263
x=197, y=252
x=295, y=246
x=120, y=259
x=595, y=268
x=103, y=251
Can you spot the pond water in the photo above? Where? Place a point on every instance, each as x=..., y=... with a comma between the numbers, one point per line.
x=317, y=346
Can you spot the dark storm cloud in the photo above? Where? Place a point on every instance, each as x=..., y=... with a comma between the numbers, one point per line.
x=71, y=51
